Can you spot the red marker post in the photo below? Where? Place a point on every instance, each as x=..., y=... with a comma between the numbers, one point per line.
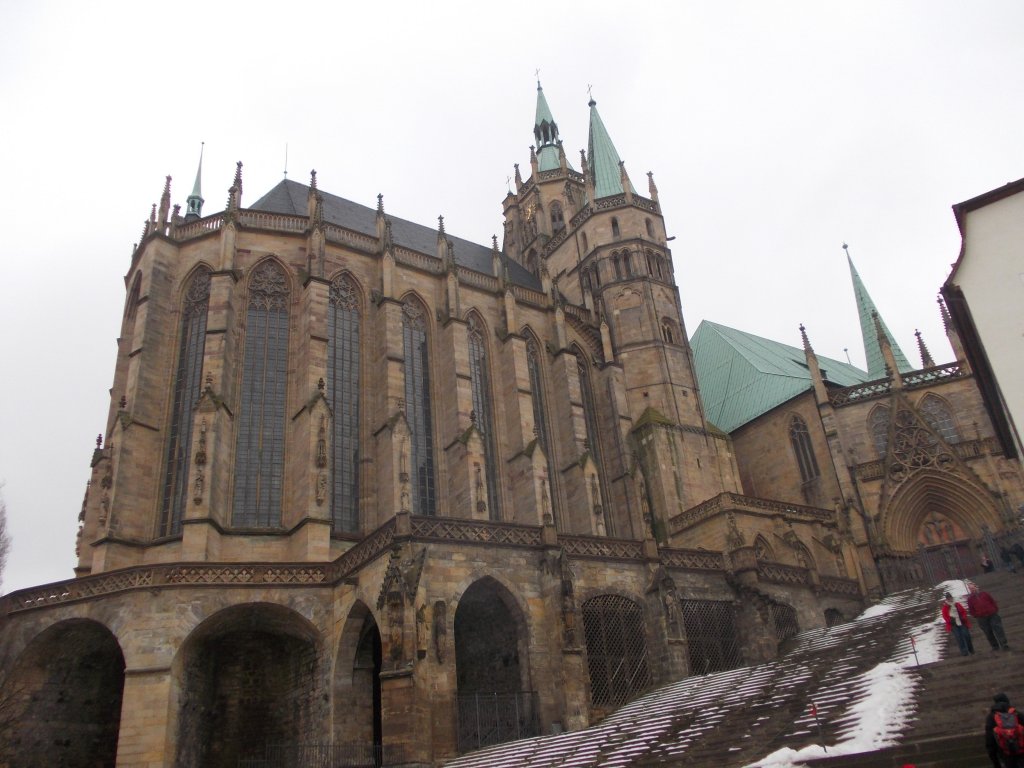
x=821, y=733
x=913, y=647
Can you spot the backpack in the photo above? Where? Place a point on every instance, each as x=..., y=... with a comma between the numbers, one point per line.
x=1009, y=732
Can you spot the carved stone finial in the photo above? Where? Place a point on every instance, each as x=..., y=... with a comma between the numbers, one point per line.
x=440, y=227
x=494, y=242
x=312, y=179
x=99, y=440
x=806, y=341
x=380, y=204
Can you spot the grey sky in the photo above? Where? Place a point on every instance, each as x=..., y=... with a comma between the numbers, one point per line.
x=775, y=132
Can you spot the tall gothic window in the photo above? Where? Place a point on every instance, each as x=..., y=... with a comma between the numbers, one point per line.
x=417, y=409
x=878, y=424
x=187, y=384
x=259, y=457
x=615, y=227
x=801, y=441
x=343, y=395
x=590, y=419
x=540, y=424
x=935, y=411
x=483, y=411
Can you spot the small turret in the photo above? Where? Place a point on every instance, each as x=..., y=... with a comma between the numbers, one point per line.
x=194, y=202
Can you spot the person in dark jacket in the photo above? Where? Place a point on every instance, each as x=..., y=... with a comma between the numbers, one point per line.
x=982, y=606
x=1000, y=703
x=955, y=616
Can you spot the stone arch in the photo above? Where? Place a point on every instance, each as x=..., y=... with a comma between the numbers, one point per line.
x=346, y=276
x=288, y=287
x=248, y=676
x=65, y=690
x=614, y=631
x=356, y=685
x=492, y=669
x=931, y=495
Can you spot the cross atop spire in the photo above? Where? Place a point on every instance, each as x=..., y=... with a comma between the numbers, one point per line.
x=867, y=311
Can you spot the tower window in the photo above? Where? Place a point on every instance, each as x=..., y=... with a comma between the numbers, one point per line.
x=666, y=331
x=615, y=227
x=557, y=217
x=618, y=267
x=343, y=395
x=259, y=458
x=627, y=262
x=801, y=441
x=650, y=228
x=586, y=247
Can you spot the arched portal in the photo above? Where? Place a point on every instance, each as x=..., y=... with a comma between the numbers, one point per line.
x=247, y=678
x=64, y=696
x=357, y=702
x=492, y=668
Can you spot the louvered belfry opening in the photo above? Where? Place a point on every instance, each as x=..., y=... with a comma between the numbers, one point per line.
x=711, y=636
x=613, y=627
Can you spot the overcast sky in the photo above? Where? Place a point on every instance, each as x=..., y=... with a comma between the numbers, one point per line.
x=775, y=130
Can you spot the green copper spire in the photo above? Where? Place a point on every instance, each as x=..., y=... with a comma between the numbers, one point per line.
x=195, y=200
x=867, y=310
x=603, y=159
x=545, y=132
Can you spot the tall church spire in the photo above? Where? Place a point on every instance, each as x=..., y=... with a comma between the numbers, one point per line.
x=867, y=311
x=545, y=134
x=603, y=159
x=195, y=200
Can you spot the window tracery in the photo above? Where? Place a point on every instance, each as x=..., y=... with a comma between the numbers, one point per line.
x=482, y=407
x=800, y=439
x=939, y=417
x=343, y=369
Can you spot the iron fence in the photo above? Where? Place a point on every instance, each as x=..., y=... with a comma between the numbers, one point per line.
x=485, y=719
x=351, y=755
x=711, y=635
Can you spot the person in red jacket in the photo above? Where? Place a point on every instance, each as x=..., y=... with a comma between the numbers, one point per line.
x=982, y=606
x=956, y=622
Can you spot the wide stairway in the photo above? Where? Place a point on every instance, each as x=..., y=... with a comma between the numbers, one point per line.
x=737, y=718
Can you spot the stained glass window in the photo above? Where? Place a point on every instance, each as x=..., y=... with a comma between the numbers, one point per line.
x=939, y=417
x=484, y=412
x=343, y=395
x=187, y=384
x=878, y=423
x=259, y=456
x=417, y=409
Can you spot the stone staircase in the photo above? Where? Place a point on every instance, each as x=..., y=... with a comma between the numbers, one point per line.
x=738, y=717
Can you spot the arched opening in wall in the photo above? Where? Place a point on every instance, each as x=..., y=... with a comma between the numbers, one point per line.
x=245, y=680
x=784, y=621
x=833, y=617
x=878, y=426
x=531, y=262
x=615, y=227
x=650, y=228
x=557, y=217
x=358, y=723
x=613, y=629
x=711, y=636
x=63, y=698
x=495, y=703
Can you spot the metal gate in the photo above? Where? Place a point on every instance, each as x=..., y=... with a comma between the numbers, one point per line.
x=613, y=627
x=485, y=719
x=710, y=627
x=784, y=619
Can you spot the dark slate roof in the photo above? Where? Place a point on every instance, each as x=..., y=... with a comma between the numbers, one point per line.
x=291, y=197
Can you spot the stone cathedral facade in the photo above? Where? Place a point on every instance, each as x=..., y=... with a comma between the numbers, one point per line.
x=373, y=493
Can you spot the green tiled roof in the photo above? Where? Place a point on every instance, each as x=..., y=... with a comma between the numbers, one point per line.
x=543, y=110
x=603, y=159
x=742, y=376
x=547, y=158
x=872, y=349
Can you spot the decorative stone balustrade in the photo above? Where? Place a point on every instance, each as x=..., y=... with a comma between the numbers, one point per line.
x=733, y=502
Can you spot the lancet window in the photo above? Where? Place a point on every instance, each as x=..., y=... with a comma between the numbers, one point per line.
x=343, y=361
x=590, y=419
x=259, y=456
x=878, y=424
x=800, y=439
x=483, y=410
x=417, y=409
x=540, y=423
x=557, y=217
x=187, y=385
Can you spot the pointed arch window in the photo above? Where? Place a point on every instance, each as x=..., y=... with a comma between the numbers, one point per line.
x=557, y=217
x=483, y=410
x=586, y=247
x=878, y=425
x=627, y=263
x=617, y=266
x=531, y=261
x=417, y=408
x=667, y=332
x=343, y=365
x=939, y=417
x=650, y=228
x=800, y=439
x=615, y=227
x=187, y=385
x=259, y=456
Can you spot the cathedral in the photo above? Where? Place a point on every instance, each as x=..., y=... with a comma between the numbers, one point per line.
x=372, y=494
